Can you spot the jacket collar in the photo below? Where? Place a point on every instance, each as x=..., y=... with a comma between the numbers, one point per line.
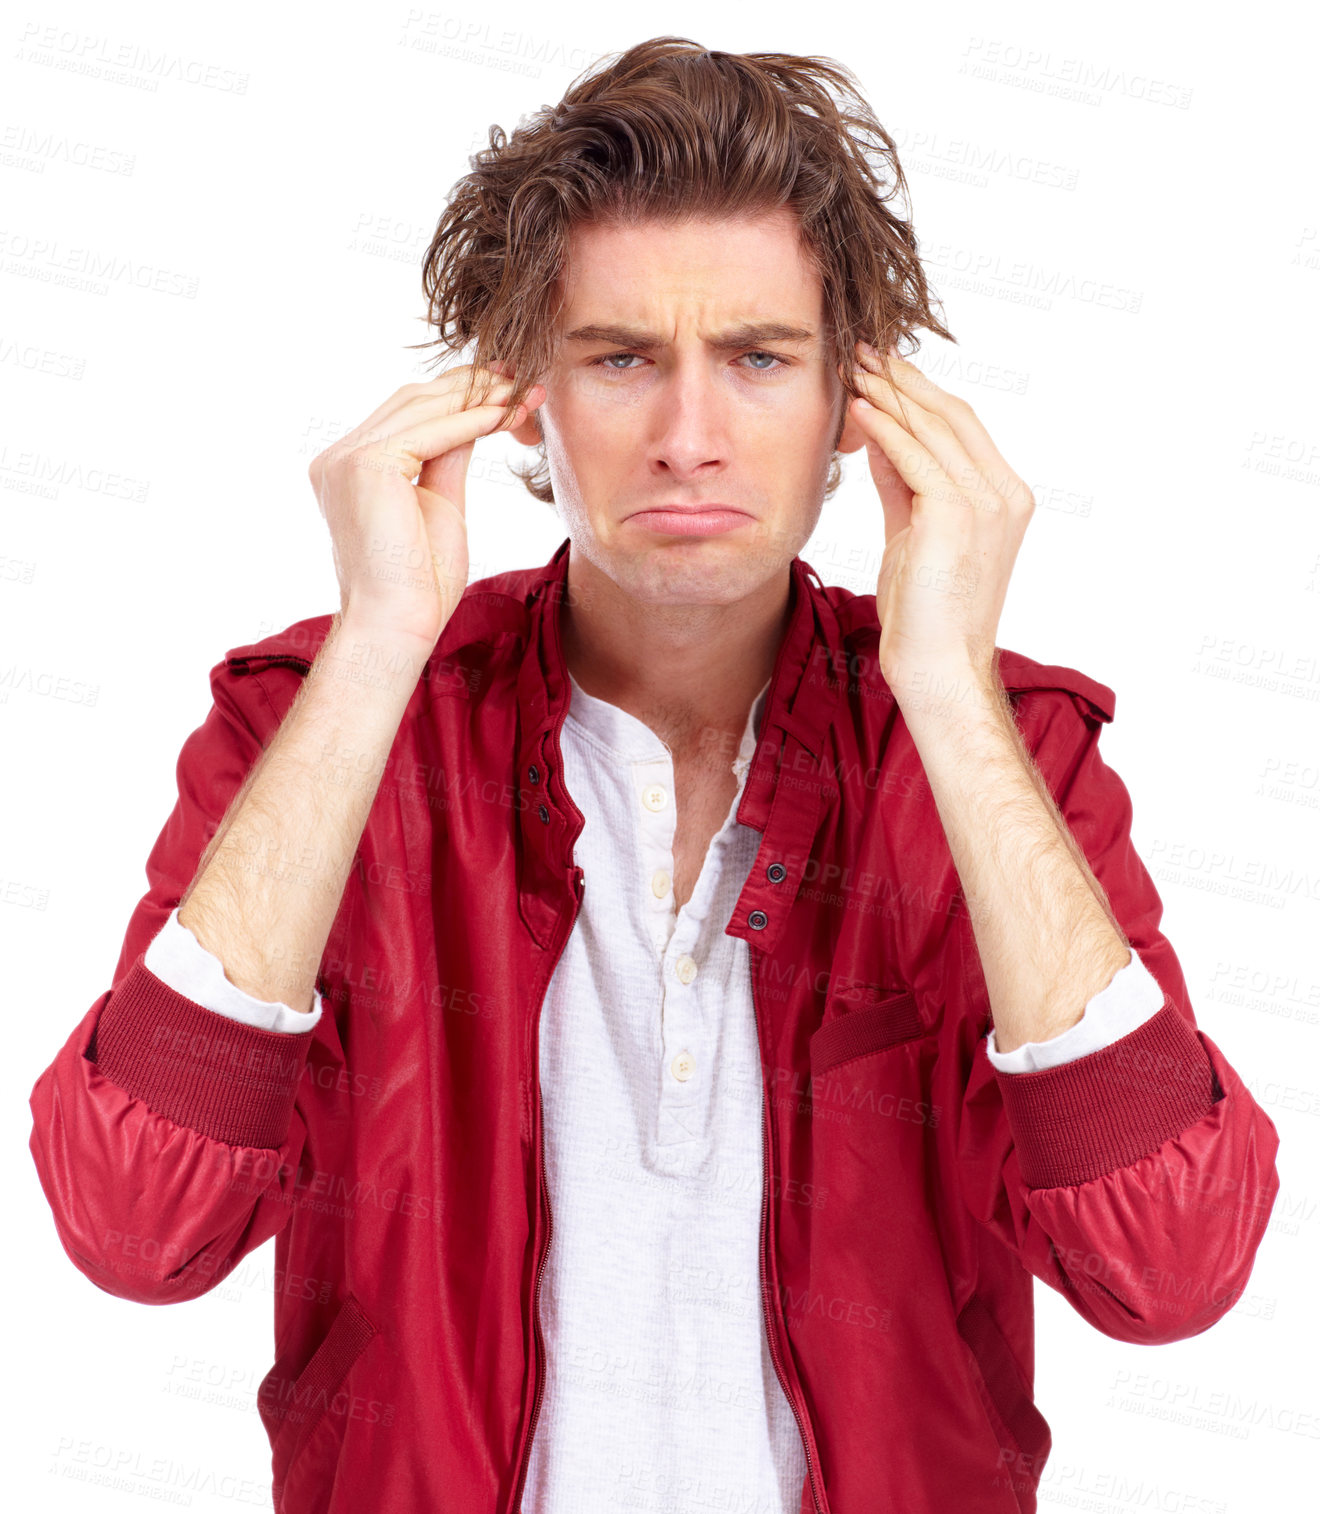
x=789, y=782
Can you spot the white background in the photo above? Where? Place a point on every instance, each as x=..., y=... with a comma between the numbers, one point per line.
x=1121, y=217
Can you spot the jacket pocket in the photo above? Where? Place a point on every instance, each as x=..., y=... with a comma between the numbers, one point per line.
x=299, y=1404
x=859, y=1032
x=1022, y=1431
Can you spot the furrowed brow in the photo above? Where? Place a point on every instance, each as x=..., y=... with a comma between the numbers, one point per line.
x=748, y=334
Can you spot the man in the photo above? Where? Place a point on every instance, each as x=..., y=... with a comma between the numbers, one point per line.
x=660, y=1127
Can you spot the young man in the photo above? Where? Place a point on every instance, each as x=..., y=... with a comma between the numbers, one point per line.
x=667, y=1009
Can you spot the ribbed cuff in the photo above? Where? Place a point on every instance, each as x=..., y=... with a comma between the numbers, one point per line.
x=1112, y=1107
x=232, y=1082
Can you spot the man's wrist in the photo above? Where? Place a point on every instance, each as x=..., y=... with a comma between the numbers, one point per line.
x=359, y=649
x=953, y=693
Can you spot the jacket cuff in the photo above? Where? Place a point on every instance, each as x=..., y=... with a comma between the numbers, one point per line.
x=1110, y=1108
x=232, y=1082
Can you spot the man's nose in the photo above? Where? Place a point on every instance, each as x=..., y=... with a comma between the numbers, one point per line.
x=691, y=426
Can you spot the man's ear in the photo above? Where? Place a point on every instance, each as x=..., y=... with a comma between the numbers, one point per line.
x=852, y=436
x=528, y=432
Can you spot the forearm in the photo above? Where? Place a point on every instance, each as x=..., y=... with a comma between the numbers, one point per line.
x=1045, y=932
x=268, y=887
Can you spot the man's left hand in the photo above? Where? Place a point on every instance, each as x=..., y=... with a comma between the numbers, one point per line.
x=955, y=515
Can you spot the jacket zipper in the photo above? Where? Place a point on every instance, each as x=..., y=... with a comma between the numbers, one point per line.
x=515, y=1506
x=770, y=1336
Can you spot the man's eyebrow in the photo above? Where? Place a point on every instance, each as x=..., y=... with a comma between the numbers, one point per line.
x=748, y=334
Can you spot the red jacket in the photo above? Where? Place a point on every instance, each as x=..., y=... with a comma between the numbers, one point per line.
x=911, y=1194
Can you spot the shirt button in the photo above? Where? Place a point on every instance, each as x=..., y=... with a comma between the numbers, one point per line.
x=686, y=969
x=654, y=797
x=660, y=883
x=683, y=1066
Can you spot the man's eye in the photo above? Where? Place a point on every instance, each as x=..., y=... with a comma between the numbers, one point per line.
x=607, y=360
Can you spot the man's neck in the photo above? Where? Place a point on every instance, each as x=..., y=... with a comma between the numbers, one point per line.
x=688, y=672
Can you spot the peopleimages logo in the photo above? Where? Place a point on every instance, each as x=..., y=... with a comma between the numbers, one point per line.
x=804, y=1304
x=101, y=57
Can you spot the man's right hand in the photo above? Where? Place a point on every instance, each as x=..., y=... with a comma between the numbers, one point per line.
x=400, y=548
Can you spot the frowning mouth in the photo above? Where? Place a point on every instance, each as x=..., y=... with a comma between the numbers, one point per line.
x=691, y=520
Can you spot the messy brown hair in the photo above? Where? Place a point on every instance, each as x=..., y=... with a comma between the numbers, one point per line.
x=667, y=131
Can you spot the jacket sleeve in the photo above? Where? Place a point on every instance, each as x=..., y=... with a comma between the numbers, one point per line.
x=166, y=1136
x=1136, y=1180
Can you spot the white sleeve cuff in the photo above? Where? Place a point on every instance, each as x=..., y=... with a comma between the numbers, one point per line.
x=1131, y=997
x=182, y=963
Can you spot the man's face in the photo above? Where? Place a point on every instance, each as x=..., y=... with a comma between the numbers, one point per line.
x=678, y=406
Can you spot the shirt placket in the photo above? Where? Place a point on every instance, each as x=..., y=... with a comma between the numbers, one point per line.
x=679, y=1115
x=683, y=940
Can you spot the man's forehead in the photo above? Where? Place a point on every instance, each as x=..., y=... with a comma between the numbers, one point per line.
x=714, y=275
